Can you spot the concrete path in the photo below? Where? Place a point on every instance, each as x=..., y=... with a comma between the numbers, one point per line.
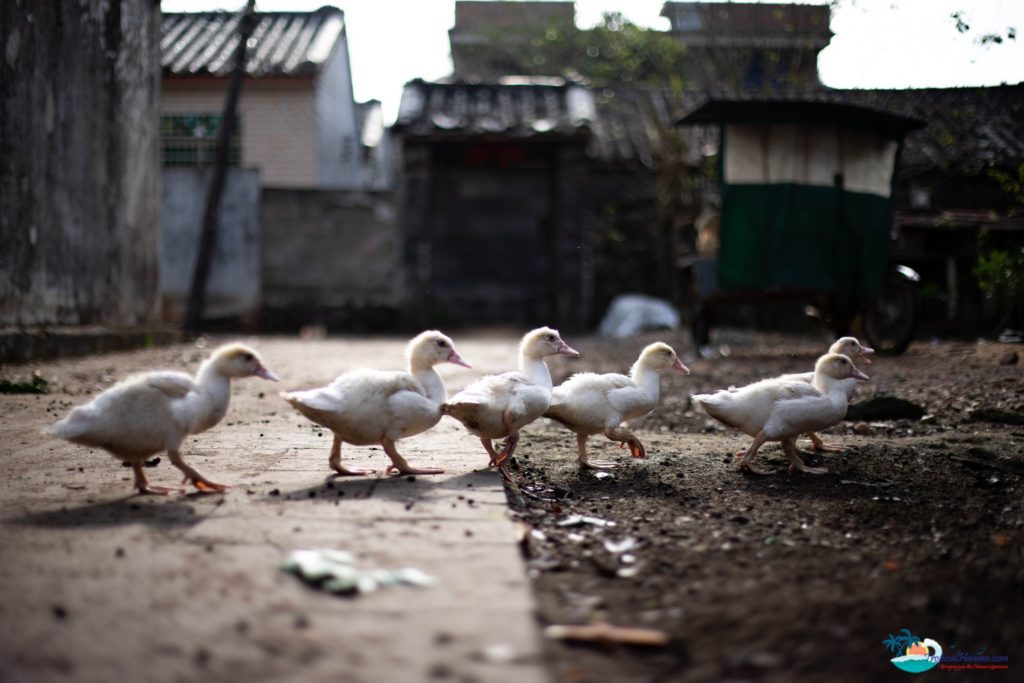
x=97, y=584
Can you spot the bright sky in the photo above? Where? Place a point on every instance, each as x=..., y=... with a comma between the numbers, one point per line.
x=877, y=43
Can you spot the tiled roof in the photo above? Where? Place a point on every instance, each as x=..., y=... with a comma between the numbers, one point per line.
x=626, y=133
x=967, y=129
x=514, y=107
x=282, y=43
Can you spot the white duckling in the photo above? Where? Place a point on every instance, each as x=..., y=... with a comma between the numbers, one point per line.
x=153, y=412
x=853, y=349
x=498, y=406
x=780, y=409
x=371, y=407
x=589, y=403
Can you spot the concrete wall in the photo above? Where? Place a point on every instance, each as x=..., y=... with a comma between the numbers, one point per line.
x=233, y=288
x=278, y=124
x=330, y=257
x=79, y=161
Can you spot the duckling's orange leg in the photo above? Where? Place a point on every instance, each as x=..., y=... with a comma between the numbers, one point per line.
x=581, y=454
x=506, y=452
x=795, y=463
x=489, y=447
x=510, y=442
x=142, y=484
x=820, y=445
x=745, y=463
x=335, y=461
x=399, y=463
x=199, y=481
x=627, y=438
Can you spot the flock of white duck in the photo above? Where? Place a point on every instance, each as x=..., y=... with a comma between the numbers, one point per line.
x=154, y=412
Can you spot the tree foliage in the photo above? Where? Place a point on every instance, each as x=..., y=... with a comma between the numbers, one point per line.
x=615, y=52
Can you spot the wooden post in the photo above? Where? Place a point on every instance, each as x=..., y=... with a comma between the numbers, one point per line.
x=208, y=235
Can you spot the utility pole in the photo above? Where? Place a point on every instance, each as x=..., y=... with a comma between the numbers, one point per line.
x=208, y=235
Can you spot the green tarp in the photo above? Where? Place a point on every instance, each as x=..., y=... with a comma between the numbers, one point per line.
x=788, y=236
x=805, y=208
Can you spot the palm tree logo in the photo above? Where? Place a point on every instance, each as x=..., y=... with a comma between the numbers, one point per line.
x=901, y=642
x=912, y=653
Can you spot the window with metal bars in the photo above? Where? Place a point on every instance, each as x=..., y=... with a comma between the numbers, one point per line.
x=191, y=140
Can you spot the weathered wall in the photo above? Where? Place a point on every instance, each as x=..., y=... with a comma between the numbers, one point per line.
x=330, y=257
x=79, y=161
x=233, y=286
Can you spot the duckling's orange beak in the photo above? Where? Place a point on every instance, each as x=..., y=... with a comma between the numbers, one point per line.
x=266, y=374
x=857, y=374
x=863, y=353
x=679, y=367
x=456, y=359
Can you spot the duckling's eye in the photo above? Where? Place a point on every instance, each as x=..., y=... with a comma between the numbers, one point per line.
x=247, y=356
x=441, y=343
x=550, y=337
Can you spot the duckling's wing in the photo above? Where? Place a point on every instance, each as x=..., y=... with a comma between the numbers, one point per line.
x=627, y=398
x=173, y=384
x=806, y=413
x=526, y=402
x=492, y=389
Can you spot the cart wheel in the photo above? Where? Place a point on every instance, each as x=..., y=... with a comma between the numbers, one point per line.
x=890, y=320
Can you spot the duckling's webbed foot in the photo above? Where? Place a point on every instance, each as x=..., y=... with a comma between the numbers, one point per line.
x=399, y=464
x=506, y=451
x=143, y=486
x=795, y=463
x=820, y=445
x=599, y=464
x=746, y=464
x=192, y=475
x=748, y=467
x=584, y=459
x=342, y=471
x=489, y=447
x=627, y=438
x=334, y=461
x=204, y=485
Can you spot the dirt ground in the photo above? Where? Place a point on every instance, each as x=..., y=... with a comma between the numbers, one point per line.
x=788, y=578
x=777, y=578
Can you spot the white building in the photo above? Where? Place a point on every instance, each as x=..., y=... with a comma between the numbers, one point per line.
x=297, y=119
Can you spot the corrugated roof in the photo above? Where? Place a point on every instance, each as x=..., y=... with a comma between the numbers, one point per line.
x=513, y=107
x=282, y=43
